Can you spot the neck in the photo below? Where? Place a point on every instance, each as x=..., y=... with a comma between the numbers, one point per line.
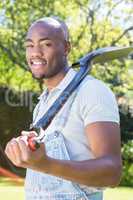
x=55, y=80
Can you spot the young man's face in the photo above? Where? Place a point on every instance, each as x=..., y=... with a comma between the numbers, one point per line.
x=46, y=50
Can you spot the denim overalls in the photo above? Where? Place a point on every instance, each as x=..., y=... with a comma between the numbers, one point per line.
x=40, y=186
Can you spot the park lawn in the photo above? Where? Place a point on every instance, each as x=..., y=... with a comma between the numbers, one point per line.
x=11, y=193
x=14, y=191
x=11, y=190
x=119, y=193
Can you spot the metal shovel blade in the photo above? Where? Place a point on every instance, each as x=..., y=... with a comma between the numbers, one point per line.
x=105, y=54
x=111, y=53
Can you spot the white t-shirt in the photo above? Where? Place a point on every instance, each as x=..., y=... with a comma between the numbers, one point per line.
x=92, y=101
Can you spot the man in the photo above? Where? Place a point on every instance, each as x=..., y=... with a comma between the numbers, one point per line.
x=80, y=153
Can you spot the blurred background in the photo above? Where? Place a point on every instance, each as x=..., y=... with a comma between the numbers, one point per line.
x=92, y=24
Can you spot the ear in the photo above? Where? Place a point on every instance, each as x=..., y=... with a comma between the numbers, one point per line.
x=67, y=48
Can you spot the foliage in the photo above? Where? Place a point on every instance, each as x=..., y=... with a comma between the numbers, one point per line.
x=126, y=119
x=127, y=175
x=90, y=28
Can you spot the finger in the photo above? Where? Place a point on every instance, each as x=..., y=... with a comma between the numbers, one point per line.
x=24, y=149
x=24, y=138
x=29, y=133
x=7, y=152
x=17, y=152
x=10, y=153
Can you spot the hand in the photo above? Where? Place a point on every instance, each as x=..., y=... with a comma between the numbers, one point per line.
x=30, y=138
x=20, y=154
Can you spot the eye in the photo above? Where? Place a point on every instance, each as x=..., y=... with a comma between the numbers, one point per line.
x=46, y=43
x=28, y=45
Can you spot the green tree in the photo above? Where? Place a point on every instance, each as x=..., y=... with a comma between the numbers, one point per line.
x=92, y=24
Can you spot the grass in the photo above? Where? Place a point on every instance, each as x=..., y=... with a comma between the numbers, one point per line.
x=11, y=193
x=119, y=193
x=4, y=181
x=10, y=190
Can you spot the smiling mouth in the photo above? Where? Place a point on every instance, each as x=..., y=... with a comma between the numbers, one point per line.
x=38, y=63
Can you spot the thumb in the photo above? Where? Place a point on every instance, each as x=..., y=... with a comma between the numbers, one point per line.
x=29, y=133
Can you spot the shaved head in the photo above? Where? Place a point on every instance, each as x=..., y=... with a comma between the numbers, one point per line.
x=56, y=23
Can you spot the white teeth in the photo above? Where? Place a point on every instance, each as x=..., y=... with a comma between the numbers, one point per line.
x=38, y=63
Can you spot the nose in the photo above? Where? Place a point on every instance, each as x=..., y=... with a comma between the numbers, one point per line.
x=36, y=51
